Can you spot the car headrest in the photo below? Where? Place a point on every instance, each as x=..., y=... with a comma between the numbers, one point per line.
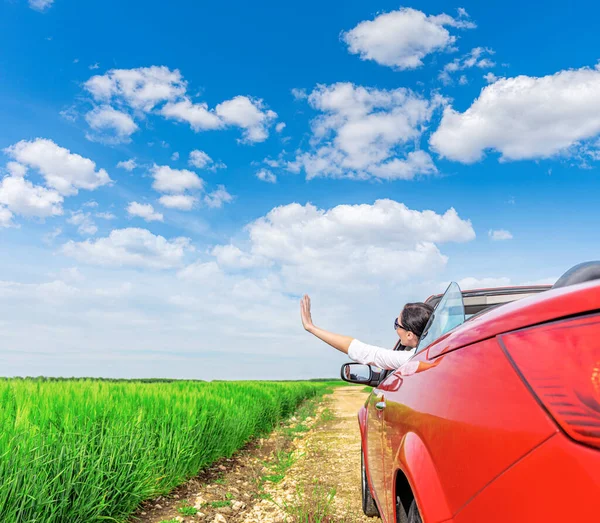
x=583, y=272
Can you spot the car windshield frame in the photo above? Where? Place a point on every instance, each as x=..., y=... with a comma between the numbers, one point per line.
x=449, y=314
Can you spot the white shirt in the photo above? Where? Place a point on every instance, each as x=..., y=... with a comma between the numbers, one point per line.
x=378, y=356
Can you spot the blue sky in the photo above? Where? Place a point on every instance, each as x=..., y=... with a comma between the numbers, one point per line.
x=365, y=153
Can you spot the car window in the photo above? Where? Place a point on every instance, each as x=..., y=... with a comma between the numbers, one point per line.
x=449, y=313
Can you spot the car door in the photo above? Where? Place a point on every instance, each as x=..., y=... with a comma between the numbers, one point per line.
x=374, y=451
x=397, y=420
x=401, y=387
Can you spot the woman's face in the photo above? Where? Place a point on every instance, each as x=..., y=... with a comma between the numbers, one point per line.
x=407, y=338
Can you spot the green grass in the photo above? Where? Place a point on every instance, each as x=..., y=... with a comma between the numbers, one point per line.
x=314, y=503
x=278, y=466
x=219, y=504
x=93, y=450
x=307, y=410
x=327, y=415
x=311, y=506
x=187, y=510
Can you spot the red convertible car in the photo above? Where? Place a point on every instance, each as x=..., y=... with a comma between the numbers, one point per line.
x=500, y=420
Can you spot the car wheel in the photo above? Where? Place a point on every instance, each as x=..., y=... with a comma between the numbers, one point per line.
x=413, y=514
x=368, y=503
x=401, y=516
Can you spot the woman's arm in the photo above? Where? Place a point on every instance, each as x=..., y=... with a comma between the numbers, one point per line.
x=378, y=356
x=337, y=341
x=356, y=350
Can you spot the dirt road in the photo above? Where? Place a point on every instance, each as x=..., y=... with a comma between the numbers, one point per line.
x=306, y=471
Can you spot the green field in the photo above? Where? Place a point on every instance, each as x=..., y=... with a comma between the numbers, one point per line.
x=87, y=450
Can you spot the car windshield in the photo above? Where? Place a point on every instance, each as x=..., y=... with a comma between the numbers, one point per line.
x=449, y=313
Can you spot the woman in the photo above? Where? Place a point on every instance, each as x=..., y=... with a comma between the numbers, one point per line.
x=409, y=326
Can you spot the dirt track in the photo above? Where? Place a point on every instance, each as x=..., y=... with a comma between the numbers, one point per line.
x=313, y=475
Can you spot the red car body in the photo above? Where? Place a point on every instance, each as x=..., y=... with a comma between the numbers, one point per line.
x=503, y=423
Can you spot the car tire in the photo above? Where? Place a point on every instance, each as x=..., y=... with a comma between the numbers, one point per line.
x=368, y=503
x=414, y=515
x=401, y=516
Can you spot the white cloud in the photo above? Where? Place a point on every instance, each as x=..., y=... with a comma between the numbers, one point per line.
x=218, y=197
x=182, y=202
x=94, y=66
x=490, y=77
x=401, y=39
x=367, y=133
x=20, y=196
x=105, y=215
x=200, y=159
x=128, y=165
x=500, y=234
x=49, y=237
x=110, y=126
x=145, y=211
x=471, y=283
x=53, y=292
x=230, y=256
x=266, y=176
x=175, y=156
x=142, y=88
x=197, y=115
x=274, y=163
x=91, y=203
x=474, y=58
x=158, y=89
x=280, y=127
x=5, y=217
x=16, y=169
x=354, y=245
x=40, y=5
x=299, y=94
x=130, y=247
x=84, y=222
x=174, y=180
x=524, y=117
x=202, y=272
x=64, y=171
x=249, y=114
x=70, y=114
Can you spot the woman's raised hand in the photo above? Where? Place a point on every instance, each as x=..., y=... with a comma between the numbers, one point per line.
x=307, y=322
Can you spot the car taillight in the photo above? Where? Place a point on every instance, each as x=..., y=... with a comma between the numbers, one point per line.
x=561, y=364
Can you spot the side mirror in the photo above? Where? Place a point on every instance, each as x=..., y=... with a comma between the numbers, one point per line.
x=357, y=373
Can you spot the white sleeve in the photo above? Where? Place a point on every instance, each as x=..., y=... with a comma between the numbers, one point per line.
x=378, y=356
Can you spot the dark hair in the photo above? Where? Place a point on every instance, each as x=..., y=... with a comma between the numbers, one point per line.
x=415, y=316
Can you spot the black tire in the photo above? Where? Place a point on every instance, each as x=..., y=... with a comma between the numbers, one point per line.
x=401, y=516
x=413, y=514
x=368, y=503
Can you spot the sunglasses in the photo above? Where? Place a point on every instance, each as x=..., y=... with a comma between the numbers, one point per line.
x=398, y=325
